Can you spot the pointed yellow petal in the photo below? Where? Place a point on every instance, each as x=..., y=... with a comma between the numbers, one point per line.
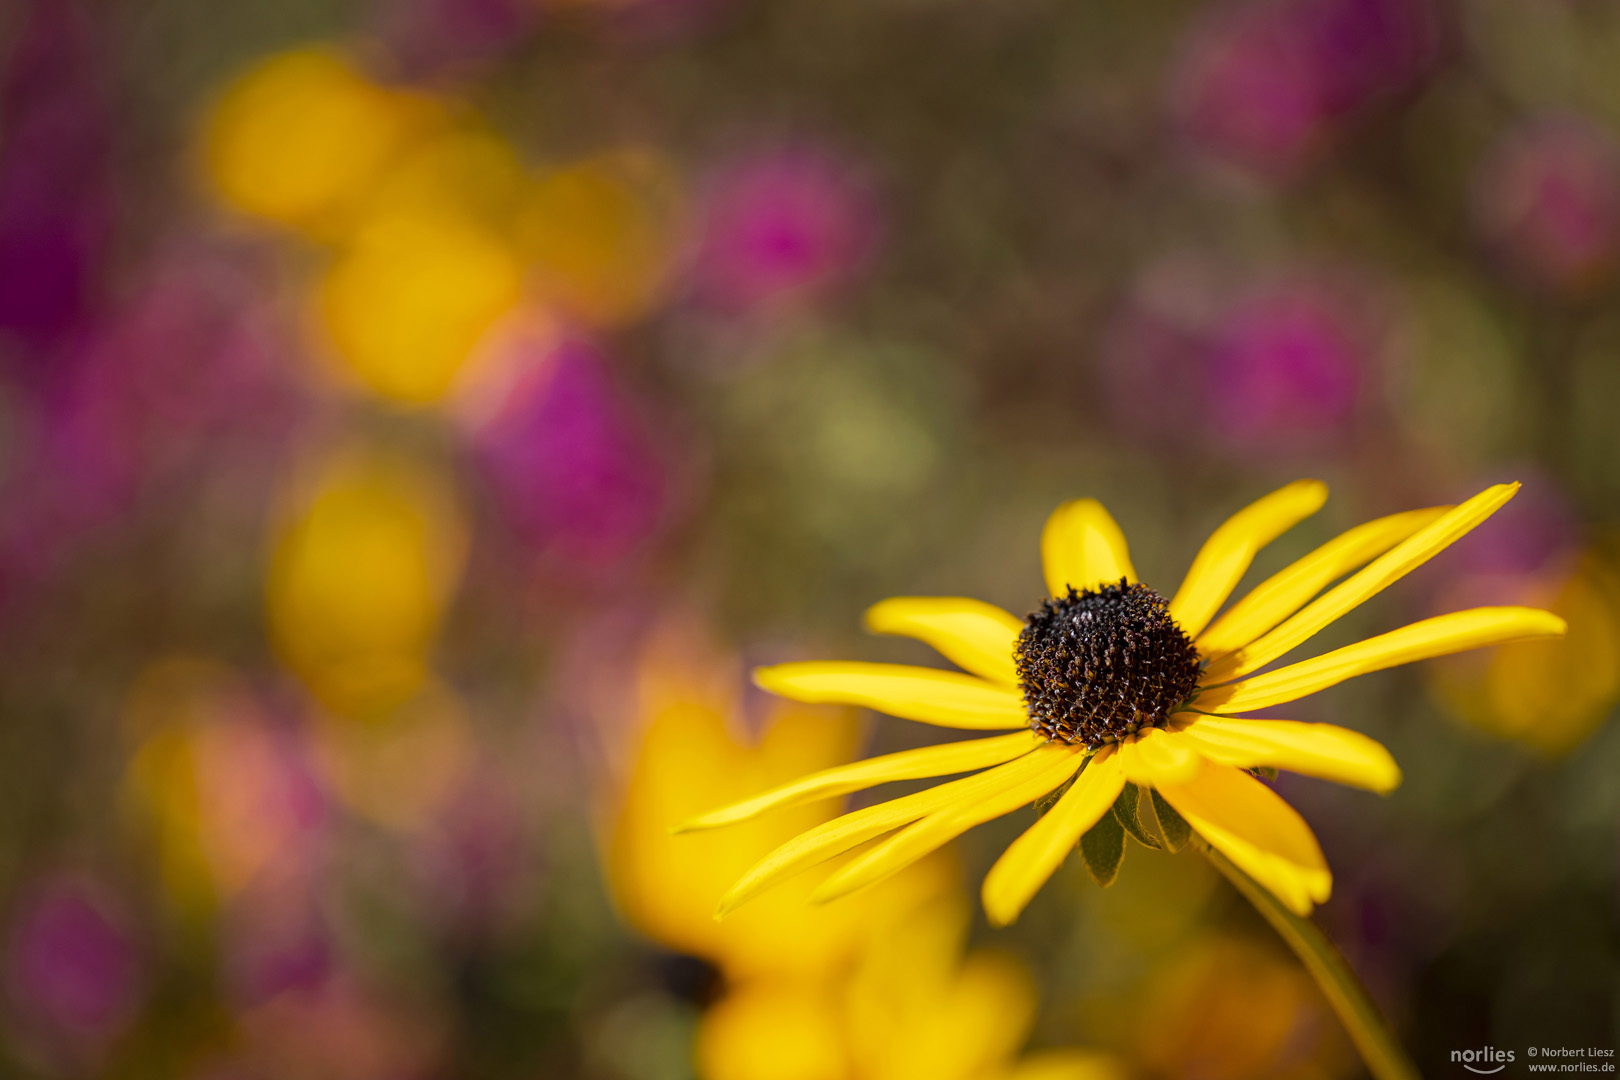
x=1439, y=636
x=976, y=636
x=841, y=834
x=946, y=698
x=1322, y=750
x=1033, y=858
x=1226, y=555
x=1251, y=825
x=927, y=761
x=1394, y=564
x=1282, y=594
x=1025, y=780
x=1081, y=546
x=1153, y=757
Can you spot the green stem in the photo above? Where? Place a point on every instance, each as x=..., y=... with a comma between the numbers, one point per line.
x=1383, y=1054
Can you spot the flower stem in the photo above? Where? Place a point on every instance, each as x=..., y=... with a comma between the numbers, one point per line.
x=1383, y=1054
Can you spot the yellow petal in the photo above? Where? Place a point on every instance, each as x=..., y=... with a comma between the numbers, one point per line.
x=941, y=760
x=1251, y=825
x=1322, y=750
x=841, y=834
x=974, y=635
x=1394, y=564
x=1025, y=780
x=946, y=698
x=1439, y=636
x=1033, y=858
x=1081, y=546
x=1226, y=555
x=1282, y=594
x=1153, y=757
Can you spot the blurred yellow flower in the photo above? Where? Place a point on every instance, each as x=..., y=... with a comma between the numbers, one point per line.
x=690, y=752
x=365, y=561
x=1121, y=688
x=774, y=1030
x=912, y=1008
x=1548, y=695
x=301, y=138
x=421, y=203
x=602, y=233
x=1229, y=1009
x=411, y=297
x=917, y=1009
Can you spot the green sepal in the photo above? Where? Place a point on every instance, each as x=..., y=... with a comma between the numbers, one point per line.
x=1104, y=849
x=1126, y=810
x=1049, y=800
x=1172, y=826
x=1265, y=772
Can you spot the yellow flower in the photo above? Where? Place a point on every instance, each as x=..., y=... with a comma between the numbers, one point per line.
x=365, y=562
x=1225, y=1008
x=1548, y=695
x=602, y=233
x=691, y=751
x=302, y=137
x=408, y=302
x=1119, y=686
x=913, y=1007
x=427, y=270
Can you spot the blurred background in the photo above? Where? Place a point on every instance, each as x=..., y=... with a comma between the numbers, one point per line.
x=417, y=415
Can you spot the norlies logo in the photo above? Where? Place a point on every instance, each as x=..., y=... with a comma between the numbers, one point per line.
x=1485, y=1061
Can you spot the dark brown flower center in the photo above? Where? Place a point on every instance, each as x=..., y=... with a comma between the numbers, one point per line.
x=1098, y=665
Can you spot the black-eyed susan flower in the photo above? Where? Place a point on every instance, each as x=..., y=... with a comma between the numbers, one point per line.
x=1113, y=685
x=877, y=988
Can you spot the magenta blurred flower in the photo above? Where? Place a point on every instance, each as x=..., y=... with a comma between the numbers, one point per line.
x=55, y=185
x=1282, y=365
x=573, y=472
x=1269, y=86
x=1246, y=92
x=69, y=474
x=185, y=369
x=1285, y=370
x=1547, y=201
x=73, y=973
x=782, y=227
x=1368, y=49
x=197, y=354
